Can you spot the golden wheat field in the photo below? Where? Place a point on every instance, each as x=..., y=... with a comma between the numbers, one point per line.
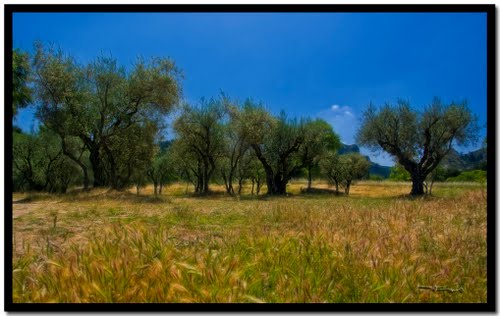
x=374, y=246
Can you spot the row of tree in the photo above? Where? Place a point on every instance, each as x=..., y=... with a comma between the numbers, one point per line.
x=106, y=118
x=217, y=141
x=247, y=142
x=101, y=124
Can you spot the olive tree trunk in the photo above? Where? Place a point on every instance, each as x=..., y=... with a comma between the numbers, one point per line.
x=417, y=187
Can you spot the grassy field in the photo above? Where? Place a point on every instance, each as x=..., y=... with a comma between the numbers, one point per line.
x=374, y=246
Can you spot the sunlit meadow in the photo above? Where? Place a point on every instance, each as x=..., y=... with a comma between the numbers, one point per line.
x=377, y=245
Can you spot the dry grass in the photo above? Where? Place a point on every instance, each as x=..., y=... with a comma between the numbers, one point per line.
x=374, y=246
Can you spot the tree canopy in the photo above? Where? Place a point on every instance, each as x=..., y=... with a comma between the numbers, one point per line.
x=343, y=170
x=200, y=136
x=21, y=76
x=417, y=140
x=355, y=167
x=276, y=142
x=106, y=106
x=318, y=139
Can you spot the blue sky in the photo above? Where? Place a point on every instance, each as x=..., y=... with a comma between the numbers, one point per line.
x=327, y=65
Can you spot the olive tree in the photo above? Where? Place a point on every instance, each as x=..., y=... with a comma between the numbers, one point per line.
x=257, y=174
x=101, y=103
x=39, y=163
x=187, y=164
x=418, y=140
x=59, y=88
x=235, y=147
x=21, y=70
x=276, y=142
x=27, y=162
x=343, y=170
x=127, y=152
x=319, y=138
x=200, y=138
x=161, y=170
x=249, y=168
x=59, y=171
x=332, y=168
x=355, y=167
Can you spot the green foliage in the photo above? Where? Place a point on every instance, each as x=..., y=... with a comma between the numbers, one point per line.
x=332, y=168
x=319, y=138
x=376, y=177
x=21, y=73
x=27, y=171
x=234, y=162
x=355, y=167
x=282, y=143
x=418, y=140
x=60, y=91
x=256, y=122
x=114, y=112
x=200, y=138
x=398, y=173
x=470, y=176
x=251, y=168
x=129, y=151
x=187, y=167
x=38, y=163
x=59, y=171
x=162, y=170
x=344, y=169
x=284, y=146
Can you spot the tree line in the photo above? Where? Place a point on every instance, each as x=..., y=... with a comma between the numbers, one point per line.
x=101, y=125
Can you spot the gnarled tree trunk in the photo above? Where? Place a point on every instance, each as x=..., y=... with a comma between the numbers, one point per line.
x=97, y=167
x=78, y=162
x=417, y=187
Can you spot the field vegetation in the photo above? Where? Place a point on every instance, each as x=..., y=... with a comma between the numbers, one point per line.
x=375, y=245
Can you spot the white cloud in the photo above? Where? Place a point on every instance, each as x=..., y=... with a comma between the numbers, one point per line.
x=341, y=110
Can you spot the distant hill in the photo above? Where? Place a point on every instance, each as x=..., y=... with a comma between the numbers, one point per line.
x=347, y=149
x=379, y=170
x=375, y=168
x=472, y=160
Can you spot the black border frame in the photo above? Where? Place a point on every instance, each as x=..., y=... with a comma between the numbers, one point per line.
x=489, y=306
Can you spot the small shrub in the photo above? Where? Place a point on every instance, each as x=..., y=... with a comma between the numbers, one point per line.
x=469, y=176
x=376, y=177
